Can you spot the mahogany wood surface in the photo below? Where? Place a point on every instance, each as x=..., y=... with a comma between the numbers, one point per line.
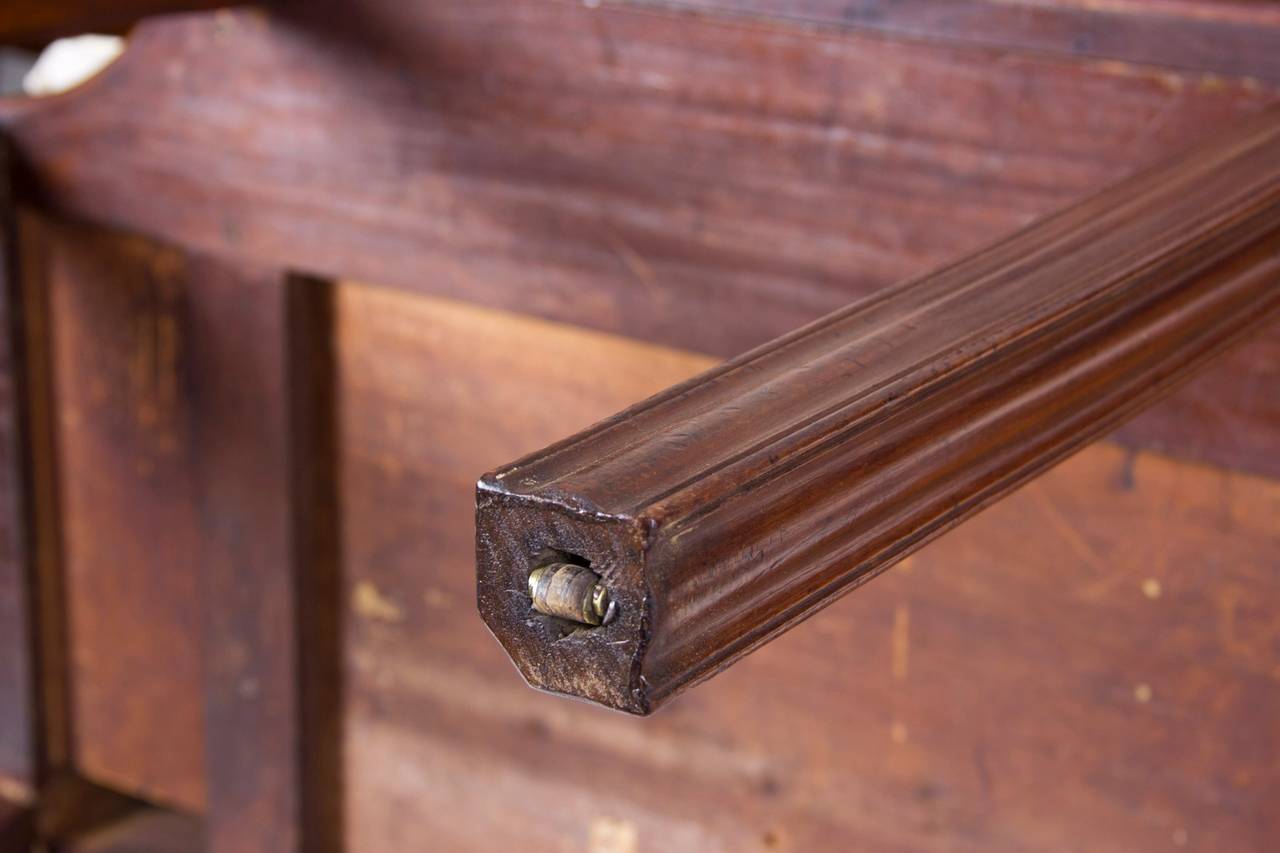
x=621, y=168
x=239, y=342
x=726, y=509
x=1237, y=38
x=983, y=695
x=272, y=640
x=129, y=524
x=182, y=504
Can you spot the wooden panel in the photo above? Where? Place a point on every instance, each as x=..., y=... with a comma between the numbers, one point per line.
x=1087, y=665
x=17, y=697
x=241, y=441
x=177, y=419
x=176, y=427
x=537, y=153
x=1239, y=38
x=130, y=524
x=615, y=167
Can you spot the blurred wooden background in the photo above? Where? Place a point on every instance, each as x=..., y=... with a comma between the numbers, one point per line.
x=288, y=281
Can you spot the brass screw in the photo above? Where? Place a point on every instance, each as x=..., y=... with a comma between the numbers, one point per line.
x=571, y=592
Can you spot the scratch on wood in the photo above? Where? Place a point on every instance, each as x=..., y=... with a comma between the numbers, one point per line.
x=1068, y=533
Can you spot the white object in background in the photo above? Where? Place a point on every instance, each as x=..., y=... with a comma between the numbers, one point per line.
x=66, y=63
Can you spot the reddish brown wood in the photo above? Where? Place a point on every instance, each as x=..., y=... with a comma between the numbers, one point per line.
x=481, y=148
x=180, y=494
x=978, y=697
x=123, y=556
x=1219, y=37
x=38, y=21
x=240, y=340
x=535, y=158
x=729, y=508
x=317, y=572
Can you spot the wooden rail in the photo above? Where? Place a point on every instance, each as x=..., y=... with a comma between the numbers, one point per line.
x=725, y=510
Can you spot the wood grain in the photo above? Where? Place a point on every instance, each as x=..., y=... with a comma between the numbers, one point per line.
x=728, y=508
x=240, y=415
x=128, y=514
x=535, y=158
x=1232, y=38
x=184, y=504
x=532, y=157
x=979, y=697
x=272, y=640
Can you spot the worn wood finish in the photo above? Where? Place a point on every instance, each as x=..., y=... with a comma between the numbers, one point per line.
x=185, y=503
x=38, y=21
x=728, y=508
x=314, y=459
x=1237, y=38
x=249, y=333
x=119, y=362
x=619, y=168
x=984, y=695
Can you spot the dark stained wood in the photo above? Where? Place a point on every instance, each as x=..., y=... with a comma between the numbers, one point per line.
x=242, y=435
x=129, y=539
x=18, y=750
x=147, y=831
x=314, y=459
x=981, y=696
x=727, y=509
x=48, y=611
x=16, y=826
x=616, y=165
x=38, y=21
x=178, y=492
x=619, y=168
x=1236, y=38
x=71, y=806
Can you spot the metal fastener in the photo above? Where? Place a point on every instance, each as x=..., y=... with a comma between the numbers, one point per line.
x=571, y=592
